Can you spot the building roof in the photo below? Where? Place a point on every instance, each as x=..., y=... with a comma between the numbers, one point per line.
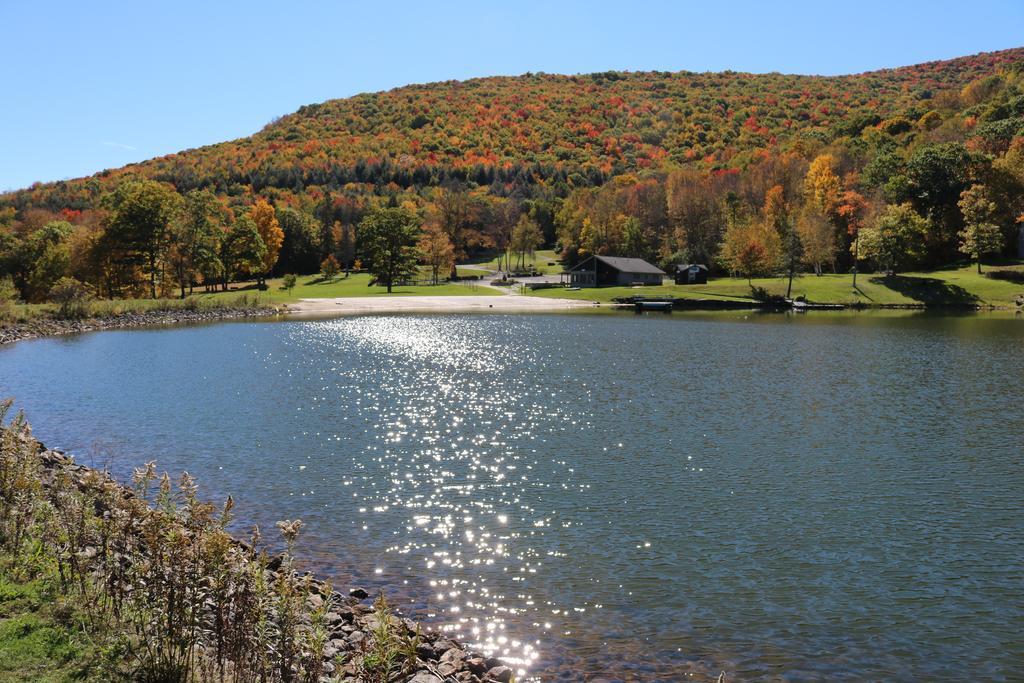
x=626, y=265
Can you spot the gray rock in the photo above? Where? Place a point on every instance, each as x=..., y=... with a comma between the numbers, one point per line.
x=454, y=655
x=476, y=665
x=424, y=677
x=359, y=593
x=442, y=645
x=502, y=674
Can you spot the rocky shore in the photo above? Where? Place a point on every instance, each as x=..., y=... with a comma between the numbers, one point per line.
x=49, y=327
x=350, y=624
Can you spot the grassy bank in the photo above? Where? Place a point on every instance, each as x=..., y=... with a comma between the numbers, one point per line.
x=245, y=295
x=960, y=286
x=358, y=285
x=112, y=308
x=545, y=261
x=109, y=582
x=43, y=635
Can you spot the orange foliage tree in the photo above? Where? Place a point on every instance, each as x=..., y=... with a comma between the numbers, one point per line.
x=263, y=215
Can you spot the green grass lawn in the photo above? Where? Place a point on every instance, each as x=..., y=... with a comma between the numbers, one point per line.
x=314, y=287
x=465, y=271
x=41, y=638
x=545, y=260
x=959, y=285
x=245, y=294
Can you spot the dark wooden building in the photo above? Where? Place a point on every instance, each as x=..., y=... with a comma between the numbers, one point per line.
x=691, y=274
x=603, y=271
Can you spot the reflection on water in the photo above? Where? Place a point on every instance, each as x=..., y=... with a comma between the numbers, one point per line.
x=605, y=496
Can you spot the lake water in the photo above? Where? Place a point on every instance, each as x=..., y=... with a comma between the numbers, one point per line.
x=603, y=497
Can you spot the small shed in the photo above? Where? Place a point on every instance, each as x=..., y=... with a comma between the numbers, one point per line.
x=603, y=271
x=691, y=274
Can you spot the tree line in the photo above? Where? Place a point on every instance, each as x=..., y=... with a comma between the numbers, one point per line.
x=942, y=203
x=920, y=173
x=145, y=239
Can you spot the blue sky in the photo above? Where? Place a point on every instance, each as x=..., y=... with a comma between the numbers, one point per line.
x=94, y=85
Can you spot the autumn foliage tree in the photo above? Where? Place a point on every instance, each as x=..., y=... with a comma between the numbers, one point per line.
x=437, y=250
x=750, y=248
x=778, y=219
x=852, y=210
x=817, y=220
x=265, y=219
x=329, y=267
x=651, y=164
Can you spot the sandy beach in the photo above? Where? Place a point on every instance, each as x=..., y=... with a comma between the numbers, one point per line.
x=431, y=304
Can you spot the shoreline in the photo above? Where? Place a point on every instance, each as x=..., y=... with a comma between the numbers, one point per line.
x=350, y=625
x=11, y=332
x=54, y=327
x=511, y=303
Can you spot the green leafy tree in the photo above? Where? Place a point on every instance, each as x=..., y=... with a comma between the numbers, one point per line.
x=243, y=250
x=896, y=240
x=635, y=243
x=526, y=237
x=288, y=282
x=42, y=259
x=300, y=251
x=937, y=175
x=346, y=246
x=194, y=235
x=139, y=223
x=981, y=235
x=389, y=238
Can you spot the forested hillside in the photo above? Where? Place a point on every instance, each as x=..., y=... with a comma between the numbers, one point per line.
x=748, y=173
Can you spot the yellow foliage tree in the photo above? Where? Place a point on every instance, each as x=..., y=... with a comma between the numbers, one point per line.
x=751, y=247
x=437, y=250
x=821, y=186
x=263, y=215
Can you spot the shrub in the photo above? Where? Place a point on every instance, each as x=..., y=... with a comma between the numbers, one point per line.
x=156, y=571
x=764, y=296
x=72, y=297
x=330, y=267
x=288, y=282
x=8, y=295
x=1015, y=276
